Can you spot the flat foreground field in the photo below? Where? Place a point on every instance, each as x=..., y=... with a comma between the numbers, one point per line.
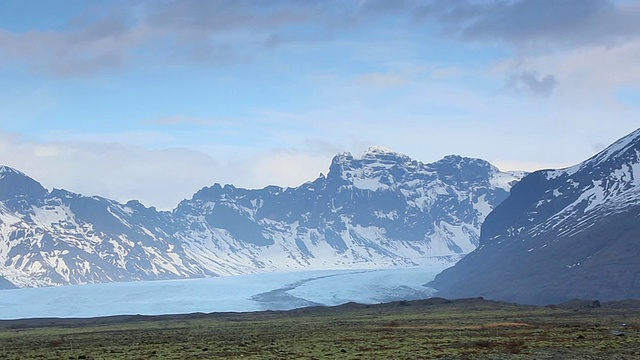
x=424, y=329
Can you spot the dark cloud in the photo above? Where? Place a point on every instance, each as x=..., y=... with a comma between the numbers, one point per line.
x=216, y=33
x=210, y=17
x=532, y=83
x=104, y=44
x=536, y=23
x=227, y=32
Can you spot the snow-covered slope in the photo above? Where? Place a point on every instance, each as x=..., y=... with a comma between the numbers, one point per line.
x=561, y=234
x=58, y=237
x=379, y=209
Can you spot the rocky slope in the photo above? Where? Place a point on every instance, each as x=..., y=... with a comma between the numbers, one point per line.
x=562, y=234
x=380, y=209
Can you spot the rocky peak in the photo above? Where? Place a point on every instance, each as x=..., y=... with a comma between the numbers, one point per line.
x=375, y=162
x=463, y=170
x=5, y=170
x=459, y=162
x=382, y=153
x=16, y=185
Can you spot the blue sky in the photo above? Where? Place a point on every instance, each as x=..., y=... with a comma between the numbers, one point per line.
x=152, y=100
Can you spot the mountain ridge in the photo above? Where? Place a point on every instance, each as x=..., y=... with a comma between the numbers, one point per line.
x=380, y=209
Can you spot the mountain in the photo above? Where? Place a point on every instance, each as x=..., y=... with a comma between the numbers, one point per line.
x=58, y=237
x=561, y=234
x=379, y=209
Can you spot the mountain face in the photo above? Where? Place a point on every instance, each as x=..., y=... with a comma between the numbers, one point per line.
x=6, y=284
x=380, y=209
x=58, y=237
x=561, y=234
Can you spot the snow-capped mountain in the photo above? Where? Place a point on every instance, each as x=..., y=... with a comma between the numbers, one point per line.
x=562, y=234
x=380, y=209
x=58, y=237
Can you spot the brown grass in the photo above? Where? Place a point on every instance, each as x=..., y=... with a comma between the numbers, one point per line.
x=465, y=329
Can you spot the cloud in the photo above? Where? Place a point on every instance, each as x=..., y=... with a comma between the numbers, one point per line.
x=537, y=23
x=197, y=18
x=587, y=75
x=158, y=178
x=216, y=33
x=102, y=45
x=224, y=32
x=532, y=83
x=288, y=167
x=377, y=79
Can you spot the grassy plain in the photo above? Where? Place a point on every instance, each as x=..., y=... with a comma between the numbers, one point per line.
x=424, y=329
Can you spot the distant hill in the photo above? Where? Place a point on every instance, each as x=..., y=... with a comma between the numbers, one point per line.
x=561, y=234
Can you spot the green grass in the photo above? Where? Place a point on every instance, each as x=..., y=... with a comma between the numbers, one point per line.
x=429, y=329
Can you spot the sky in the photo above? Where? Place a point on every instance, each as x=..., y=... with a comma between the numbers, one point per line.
x=153, y=100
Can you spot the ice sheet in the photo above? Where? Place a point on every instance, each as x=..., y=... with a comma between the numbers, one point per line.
x=222, y=294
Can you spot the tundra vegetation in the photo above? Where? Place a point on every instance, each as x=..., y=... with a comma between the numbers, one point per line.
x=422, y=329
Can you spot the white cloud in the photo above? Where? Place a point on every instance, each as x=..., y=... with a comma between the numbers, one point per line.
x=288, y=168
x=158, y=178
